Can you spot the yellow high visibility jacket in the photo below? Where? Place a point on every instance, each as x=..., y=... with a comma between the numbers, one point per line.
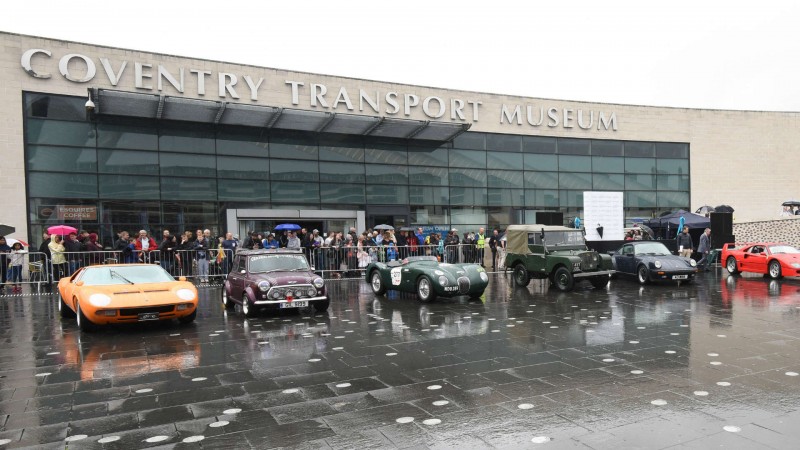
x=480, y=240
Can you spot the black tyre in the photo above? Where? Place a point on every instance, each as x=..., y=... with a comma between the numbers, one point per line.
x=775, y=270
x=425, y=291
x=65, y=311
x=190, y=318
x=83, y=323
x=643, y=274
x=247, y=309
x=226, y=301
x=730, y=264
x=599, y=282
x=563, y=279
x=322, y=306
x=376, y=282
x=521, y=275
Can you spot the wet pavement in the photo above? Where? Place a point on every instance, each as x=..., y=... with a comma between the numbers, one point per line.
x=710, y=364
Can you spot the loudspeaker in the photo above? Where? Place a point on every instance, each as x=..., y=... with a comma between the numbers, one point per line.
x=550, y=218
x=721, y=223
x=718, y=240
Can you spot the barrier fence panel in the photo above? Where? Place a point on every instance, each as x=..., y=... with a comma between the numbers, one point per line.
x=24, y=268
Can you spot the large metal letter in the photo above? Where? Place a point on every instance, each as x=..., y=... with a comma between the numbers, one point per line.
x=139, y=75
x=426, y=107
x=253, y=87
x=456, y=106
x=318, y=92
x=164, y=73
x=295, y=91
x=612, y=121
x=201, y=80
x=391, y=99
x=26, y=62
x=113, y=77
x=568, y=118
x=363, y=96
x=225, y=85
x=63, y=67
x=343, y=97
x=410, y=101
x=506, y=115
x=475, y=106
x=552, y=114
x=580, y=120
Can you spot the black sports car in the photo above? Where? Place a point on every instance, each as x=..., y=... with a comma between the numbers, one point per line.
x=652, y=261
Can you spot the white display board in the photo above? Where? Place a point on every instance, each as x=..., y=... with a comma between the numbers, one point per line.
x=603, y=209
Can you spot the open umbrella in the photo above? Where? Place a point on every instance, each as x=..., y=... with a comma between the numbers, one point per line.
x=62, y=230
x=383, y=227
x=6, y=229
x=705, y=209
x=12, y=241
x=791, y=203
x=680, y=224
x=288, y=226
x=728, y=209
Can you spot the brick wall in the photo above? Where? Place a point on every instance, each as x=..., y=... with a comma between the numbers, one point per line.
x=780, y=230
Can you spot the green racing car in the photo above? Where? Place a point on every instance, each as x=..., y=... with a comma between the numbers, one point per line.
x=427, y=277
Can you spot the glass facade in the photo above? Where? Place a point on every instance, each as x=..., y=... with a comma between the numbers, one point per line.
x=138, y=174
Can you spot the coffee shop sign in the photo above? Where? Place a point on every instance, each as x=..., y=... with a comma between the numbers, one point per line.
x=79, y=68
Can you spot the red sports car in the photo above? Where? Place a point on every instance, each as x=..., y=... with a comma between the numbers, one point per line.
x=776, y=260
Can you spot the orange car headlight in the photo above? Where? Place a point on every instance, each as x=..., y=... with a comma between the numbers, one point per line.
x=99, y=300
x=183, y=306
x=185, y=294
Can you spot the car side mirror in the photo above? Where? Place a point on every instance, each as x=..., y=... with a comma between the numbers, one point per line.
x=79, y=283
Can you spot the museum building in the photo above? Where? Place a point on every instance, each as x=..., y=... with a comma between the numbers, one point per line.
x=109, y=139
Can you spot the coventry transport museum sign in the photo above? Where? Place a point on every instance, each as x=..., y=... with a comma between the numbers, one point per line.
x=78, y=68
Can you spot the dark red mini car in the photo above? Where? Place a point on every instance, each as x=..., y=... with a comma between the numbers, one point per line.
x=273, y=279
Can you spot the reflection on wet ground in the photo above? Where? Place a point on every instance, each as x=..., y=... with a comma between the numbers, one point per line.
x=714, y=363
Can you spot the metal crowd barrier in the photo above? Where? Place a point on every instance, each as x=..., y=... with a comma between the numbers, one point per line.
x=24, y=269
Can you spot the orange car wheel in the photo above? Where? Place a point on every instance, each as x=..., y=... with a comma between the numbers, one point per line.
x=83, y=323
x=65, y=310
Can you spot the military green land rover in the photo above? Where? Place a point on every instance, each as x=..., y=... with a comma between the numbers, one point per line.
x=557, y=253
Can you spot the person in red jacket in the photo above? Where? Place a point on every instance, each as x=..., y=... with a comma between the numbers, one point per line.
x=143, y=245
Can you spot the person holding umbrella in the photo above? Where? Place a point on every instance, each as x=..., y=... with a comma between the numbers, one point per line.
x=4, y=251
x=57, y=257
x=16, y=259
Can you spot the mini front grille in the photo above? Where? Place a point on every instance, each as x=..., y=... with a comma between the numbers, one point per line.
x=146, y=309
x=297, y=290
x=463, y=285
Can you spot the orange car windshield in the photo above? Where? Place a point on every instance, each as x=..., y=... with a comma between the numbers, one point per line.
x=109, y=275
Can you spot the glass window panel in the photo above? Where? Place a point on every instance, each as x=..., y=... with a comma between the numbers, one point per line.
x=468, y=158
x=467, y=216
x=128, y=162
x=573, y=146
x=673, y=199
x=242, y=168
x=608, y=164
x=242, y=142
x=676, y=166
x=468, y=177
x=541, y=198
x=387, y=174
x=341, y=172
x=470, y=141
x=132, y=212
x=129, y=187
x=540, y=162
x=62, y=185
x=281, y=146
x=343, y=151
x=418, y=156
x=429, y=195
x=435, y=176
x=640, y=182
x=672, y=150
x=608, y=182
x=535, y=144
x=243, y=190
x=545, y=180
x=504, y=160
x=188, y=165
x=175, y=188
x=640, y=149
x=395, y=155
x=48, y=106
x=640, y=199
x=61, y=159
x=503, y=142
x=468, y=196
x=387, y=195
x=607, y=148
x=640, y=165
x=504, y=178
x=342, y=193
x=575, y=163
x=187, y=139
x=78, y=134
x=673, y=182
x=123, y=136
x=429, y=215
x=506, y=197
x=201, y=214
x=571, y=199
x=568, y=180
x=295, y=193
x=293, y=170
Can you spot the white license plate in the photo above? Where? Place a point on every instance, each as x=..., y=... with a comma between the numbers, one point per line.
x=680, y=277
x=148, y=316
x=295, y=304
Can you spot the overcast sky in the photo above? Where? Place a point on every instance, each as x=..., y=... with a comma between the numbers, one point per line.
x=696, y=54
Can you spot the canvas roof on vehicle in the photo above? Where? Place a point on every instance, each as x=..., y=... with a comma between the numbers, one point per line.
x=517, y=236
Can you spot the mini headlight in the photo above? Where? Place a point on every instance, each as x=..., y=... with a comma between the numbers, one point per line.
x=692, y=262
x=318, y=283
x=263, y=286
x=185, y=294
x=657, y=264
x=99, y=300
x=311, y=292
x=443, y=280
x=276, y=294
x=484, y=277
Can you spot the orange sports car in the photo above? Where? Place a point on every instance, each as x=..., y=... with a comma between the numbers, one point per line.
x=125, y=293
